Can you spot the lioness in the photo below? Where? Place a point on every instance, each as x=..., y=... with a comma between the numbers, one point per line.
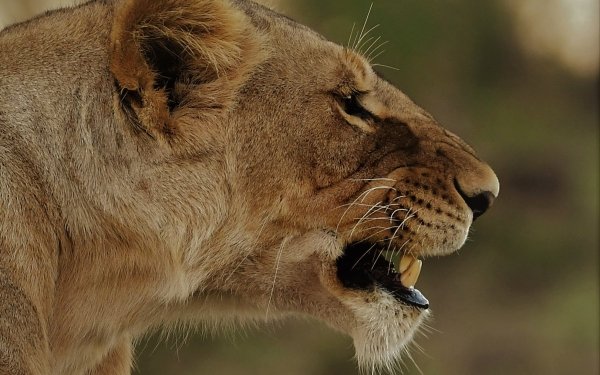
x=211, y=160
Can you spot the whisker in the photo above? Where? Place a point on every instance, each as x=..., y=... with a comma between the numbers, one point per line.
x=397, y=198
x=371, y=218
x=394, y=212
x=362, y=256
x=375, y=50
x=390, y=263
x=393, y=236
x=409, y=251
x=376, y=259
x=236, y=268
x=366, y=52
x=362, y=196
x=366, y=215
x=376, y=188
x=409, y=354
x=277, y=260
x=350, y=37
x=355, y=204
x=395, y=252
x=367, y=40
x=409, y=216
x=381, y=229
x=376, y=56
x=364, y=25
x=361, y=42
x=386, y=66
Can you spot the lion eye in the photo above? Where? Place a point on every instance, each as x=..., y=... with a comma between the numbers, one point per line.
x=352, y=106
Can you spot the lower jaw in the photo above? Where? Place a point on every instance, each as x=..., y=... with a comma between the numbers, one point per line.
x=361, y=268
x=363, y=305
x=384, y=327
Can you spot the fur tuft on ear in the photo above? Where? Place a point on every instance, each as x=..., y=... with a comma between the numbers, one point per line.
x=158, y=46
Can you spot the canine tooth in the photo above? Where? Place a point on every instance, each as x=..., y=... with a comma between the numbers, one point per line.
x=404, y=263
x=411, y=275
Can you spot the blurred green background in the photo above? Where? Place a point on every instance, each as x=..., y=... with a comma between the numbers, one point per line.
x=518, y=80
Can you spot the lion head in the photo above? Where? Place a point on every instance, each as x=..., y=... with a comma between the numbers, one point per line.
x=340, y=185
x=225, y=161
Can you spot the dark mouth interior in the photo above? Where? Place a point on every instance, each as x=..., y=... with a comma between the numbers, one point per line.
x=363, y=267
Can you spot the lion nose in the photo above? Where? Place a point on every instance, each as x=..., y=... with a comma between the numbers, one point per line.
x=479, y=190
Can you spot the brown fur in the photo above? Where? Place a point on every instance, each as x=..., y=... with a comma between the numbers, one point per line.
x=193, y=160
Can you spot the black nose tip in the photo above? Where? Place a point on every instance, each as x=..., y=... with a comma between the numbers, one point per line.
x=478, y=203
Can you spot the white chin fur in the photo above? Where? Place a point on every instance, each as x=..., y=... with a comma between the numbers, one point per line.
x=384, y=328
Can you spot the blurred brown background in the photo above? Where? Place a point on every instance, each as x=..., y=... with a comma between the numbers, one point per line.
x=518, y=79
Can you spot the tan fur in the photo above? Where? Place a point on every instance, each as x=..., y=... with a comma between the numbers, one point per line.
x=194, y=160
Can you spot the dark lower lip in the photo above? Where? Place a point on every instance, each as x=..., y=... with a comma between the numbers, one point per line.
x=412, y=297
x=362, y=267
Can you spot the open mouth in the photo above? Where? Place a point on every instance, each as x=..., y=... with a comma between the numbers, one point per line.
x=365, y=266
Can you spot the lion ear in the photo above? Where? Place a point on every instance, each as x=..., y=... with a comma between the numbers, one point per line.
x=162, y=48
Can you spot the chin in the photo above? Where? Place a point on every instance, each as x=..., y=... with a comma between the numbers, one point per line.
x=377, y=310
